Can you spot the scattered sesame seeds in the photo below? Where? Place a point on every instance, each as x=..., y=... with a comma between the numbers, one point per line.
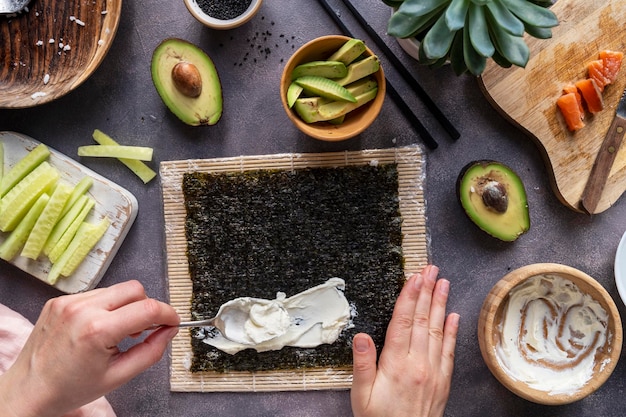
x=51, y=40
x=39, y=43
x=46, y=79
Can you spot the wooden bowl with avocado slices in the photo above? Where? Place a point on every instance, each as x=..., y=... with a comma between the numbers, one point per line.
x=333, y=88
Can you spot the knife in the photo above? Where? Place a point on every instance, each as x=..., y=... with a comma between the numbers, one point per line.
x=605, y=158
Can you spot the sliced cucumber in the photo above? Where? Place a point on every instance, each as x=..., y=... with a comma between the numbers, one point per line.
x=326, y=69
x=16, y=239
x=23, y=167
x=79, y=189
x=46, y=221
x=293, y=92
x=144, y=172
x=85, y=239
x=62, y=244
x=325, y=87
x=141, y=153
x=351, y=50
x=63, y=224
x=16, y=203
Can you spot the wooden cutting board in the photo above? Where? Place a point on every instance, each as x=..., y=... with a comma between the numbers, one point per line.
x=527, y=96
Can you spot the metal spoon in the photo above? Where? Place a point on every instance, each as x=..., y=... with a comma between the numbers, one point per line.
x=230, y=320
x=12, y=6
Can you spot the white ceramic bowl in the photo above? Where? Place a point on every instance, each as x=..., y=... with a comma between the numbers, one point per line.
x=221, y=24
x=620, y=268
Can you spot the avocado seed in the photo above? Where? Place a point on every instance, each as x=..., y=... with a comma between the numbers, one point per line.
x=495, y=197
x=187, y=79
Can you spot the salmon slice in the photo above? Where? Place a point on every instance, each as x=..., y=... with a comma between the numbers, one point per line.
x=591, y=94
x=596, y=71
x=571, y=88
x=612, y=61
x=570, y=109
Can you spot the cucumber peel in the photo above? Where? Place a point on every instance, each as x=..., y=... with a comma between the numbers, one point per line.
x=144, y=172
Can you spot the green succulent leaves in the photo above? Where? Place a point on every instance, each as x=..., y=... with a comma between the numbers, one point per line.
x=468, y=32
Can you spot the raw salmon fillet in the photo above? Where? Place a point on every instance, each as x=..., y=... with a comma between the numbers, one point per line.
x=570, y=109
x=591, y=94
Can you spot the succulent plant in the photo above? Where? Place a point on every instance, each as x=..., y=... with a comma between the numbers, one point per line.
x=467, y=33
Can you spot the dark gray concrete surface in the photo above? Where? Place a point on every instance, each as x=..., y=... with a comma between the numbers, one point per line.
x=119, y=99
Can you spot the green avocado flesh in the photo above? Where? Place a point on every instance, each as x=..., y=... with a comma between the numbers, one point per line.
x=206, y=108
x=494, y=198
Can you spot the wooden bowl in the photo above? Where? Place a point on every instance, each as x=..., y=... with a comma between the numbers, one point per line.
x=53, y=48
x=565, y=389
x=357, y=120
x=222, y=24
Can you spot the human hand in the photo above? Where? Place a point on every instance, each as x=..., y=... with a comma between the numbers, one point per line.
x=415, y=366
x=72, y=357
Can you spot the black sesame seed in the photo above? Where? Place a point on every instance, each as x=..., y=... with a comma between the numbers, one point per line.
x=224, y=10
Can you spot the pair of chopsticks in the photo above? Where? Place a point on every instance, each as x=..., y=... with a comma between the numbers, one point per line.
x=404, y=108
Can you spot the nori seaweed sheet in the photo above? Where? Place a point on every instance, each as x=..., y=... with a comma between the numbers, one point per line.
x=258, y=232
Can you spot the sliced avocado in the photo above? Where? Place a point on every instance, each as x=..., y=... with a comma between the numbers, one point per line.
x=360, y=69
x=293, y=92
x=325, y=87
x=187, y=81
x=327, y=69
x=351, y=50
x=494, y=198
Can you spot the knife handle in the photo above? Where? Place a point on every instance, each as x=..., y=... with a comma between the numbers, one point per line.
x=602, y=166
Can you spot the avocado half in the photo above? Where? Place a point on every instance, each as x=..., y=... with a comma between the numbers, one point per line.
x=494, y=198
x=187, y=81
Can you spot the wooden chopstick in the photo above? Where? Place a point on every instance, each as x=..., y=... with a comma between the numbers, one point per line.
x=404, y=107
x=441, y=118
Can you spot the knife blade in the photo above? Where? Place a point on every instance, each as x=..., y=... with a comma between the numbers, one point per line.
x=605, y=158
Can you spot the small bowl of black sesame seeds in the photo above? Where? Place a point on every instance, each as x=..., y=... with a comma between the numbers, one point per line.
x=223, y=14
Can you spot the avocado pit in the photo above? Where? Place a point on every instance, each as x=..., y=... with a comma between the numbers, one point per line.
x=493, y=197
x=187, y=79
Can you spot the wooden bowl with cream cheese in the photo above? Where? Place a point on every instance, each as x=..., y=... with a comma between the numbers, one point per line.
x=550, y=333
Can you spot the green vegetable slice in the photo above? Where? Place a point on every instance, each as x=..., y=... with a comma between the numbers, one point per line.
x=141, y=153
x=325, y=87
x=85, y=239
x=23, y=167
x=1, y=161
x=79, y=189
x=62, y=225
x=46, y=221
x=64, y=241
x=293, y=92
x=144, y=172
x=16, y=203
x=16, y=239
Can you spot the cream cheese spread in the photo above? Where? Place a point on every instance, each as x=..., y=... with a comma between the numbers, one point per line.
x=550, y=333
x=308, y=319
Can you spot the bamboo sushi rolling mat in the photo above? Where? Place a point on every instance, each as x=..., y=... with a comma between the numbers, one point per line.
x=412, y=207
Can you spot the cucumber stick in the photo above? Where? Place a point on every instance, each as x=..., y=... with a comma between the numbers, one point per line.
x=16, y=203
x=69, y=233
x=63, y=224
x=85, y=239
x=23, y=167
x=79, y=190
x=141, y=153
x=16, y=239
x=144, y=172
x=46, y=221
